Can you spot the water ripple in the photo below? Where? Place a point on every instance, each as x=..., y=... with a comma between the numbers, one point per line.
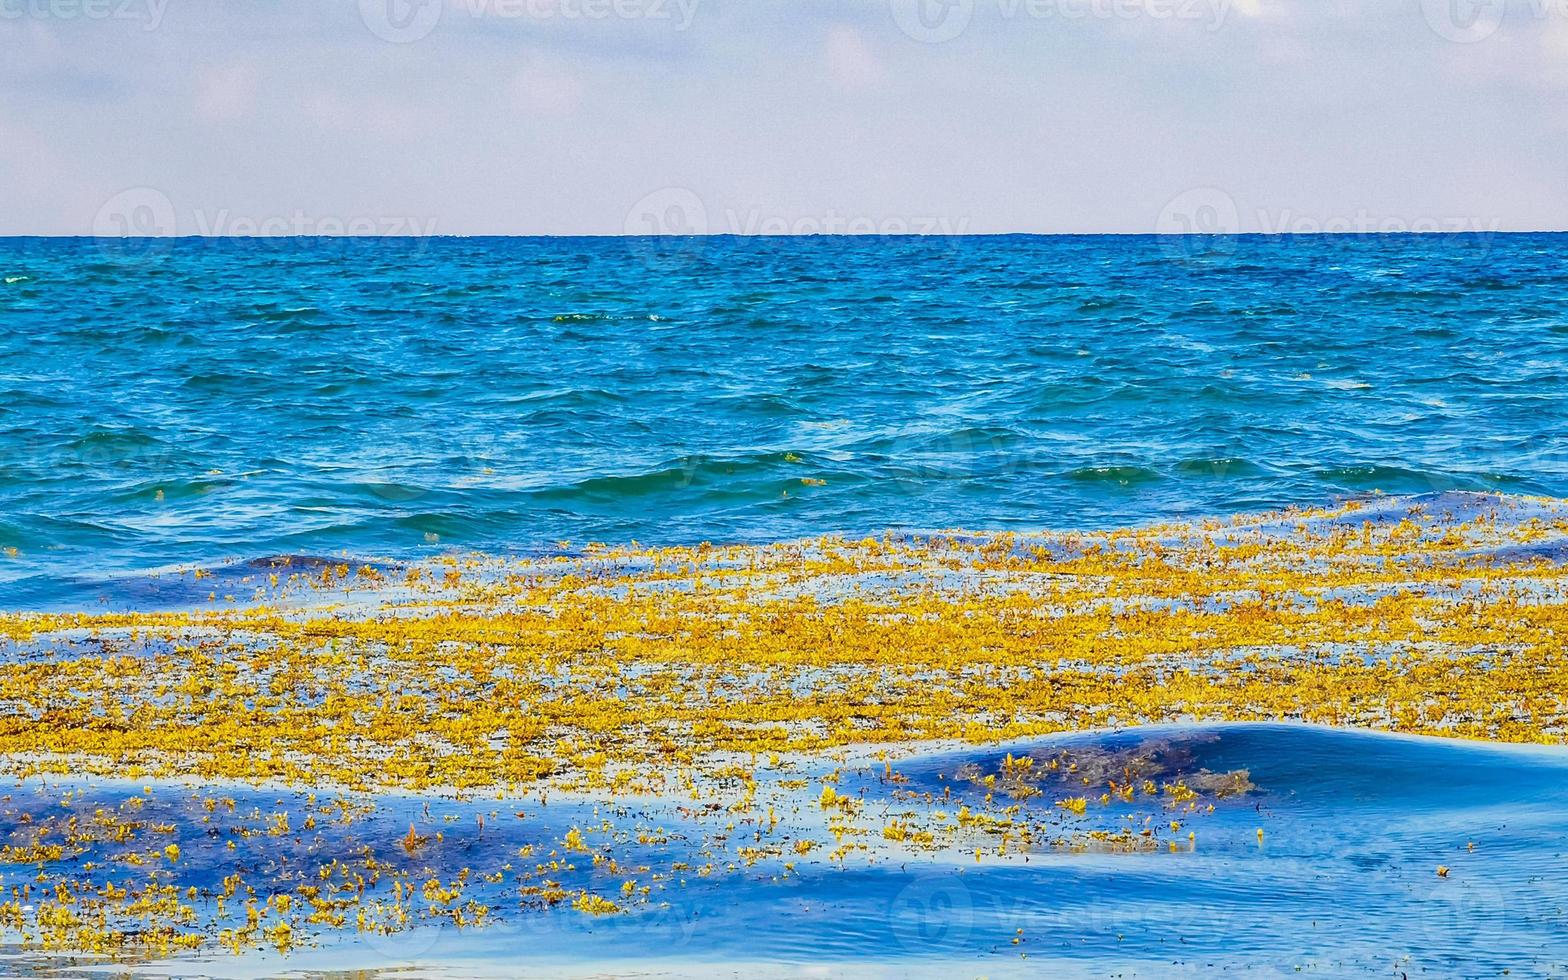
x=185, y=404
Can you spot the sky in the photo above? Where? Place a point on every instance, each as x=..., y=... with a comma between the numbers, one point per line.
x=461, y=117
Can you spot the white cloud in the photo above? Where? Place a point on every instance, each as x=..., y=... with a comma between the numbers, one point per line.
x=850, y=60
x=227, y=93
x=548, y=86
x=791, y=107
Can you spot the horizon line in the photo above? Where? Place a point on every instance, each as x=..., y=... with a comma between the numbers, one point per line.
x=1407, y=232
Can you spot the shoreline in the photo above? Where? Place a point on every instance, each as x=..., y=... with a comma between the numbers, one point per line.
x=229, y=570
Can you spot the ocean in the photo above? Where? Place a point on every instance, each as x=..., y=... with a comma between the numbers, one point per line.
x=176, y=402
x=358, y=618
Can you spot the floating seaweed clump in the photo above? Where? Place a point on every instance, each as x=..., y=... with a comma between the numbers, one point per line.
x=737, y=692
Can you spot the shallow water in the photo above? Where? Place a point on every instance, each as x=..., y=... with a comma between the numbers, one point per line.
x=193, y=401
x=1343, y=880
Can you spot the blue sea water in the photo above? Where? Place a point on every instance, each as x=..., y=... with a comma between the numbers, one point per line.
x=1342, y=881
x=203, y=401
x=191, y=401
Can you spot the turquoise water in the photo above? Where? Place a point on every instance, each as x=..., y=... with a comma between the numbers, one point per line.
x=203, y=402
x=191, y=402
x=1342, y=883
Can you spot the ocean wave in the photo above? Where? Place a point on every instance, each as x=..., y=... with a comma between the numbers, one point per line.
x=1120, y=476
x=688, y=472
x=1404, y=480
x=364, y=381
x=1219, y=467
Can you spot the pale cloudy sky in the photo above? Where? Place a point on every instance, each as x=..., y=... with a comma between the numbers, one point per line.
x=603, y=116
